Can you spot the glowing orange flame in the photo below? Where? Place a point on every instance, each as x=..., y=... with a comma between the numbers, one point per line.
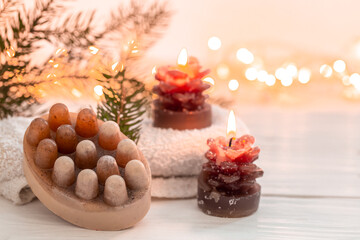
x=183, y=57
x=231, y=127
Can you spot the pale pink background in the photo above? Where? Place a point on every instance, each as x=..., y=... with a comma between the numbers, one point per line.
x=321, y=27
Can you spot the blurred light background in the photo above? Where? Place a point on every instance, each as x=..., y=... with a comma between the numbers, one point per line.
x=267, y=52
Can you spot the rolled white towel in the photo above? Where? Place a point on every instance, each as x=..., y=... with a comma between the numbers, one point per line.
x=176, y=156
x=13, y=185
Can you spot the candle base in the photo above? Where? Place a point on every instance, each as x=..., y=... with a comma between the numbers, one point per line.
x=164, y=118
x=217, y=204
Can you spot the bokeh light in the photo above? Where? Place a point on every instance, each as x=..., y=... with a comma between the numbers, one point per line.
x=346, y=80
x=326, y=71
x=98, y=90
x=214, y=43
x=262, y=75
x=251, y=73
x=233, y=84
x=76, y=92
x=93, y=50
x=339, y=66
x=209, y=80
x=223, y=71
x=355, y=80
x=244, y=56
x=304, y=75
x=270, y=80
x=292, y=70
x=280, y=73
x=286, y=81
x=113, y=67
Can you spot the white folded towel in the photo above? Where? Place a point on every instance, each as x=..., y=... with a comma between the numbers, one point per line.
x=13, y=185
x=175, y=157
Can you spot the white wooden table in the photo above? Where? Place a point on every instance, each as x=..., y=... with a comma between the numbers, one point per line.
x=311, y=189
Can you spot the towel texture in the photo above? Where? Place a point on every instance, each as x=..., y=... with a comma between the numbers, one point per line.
x=176, y=157
x=13, y=184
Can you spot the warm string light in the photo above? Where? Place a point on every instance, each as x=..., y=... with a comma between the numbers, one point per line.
x=270, y=80
x=10, y=52
x=355, y=80
x=233, y=84
x=214, y=43
x=251, y=73
x=286, y=75
x=261, y=75
x=245, y=56
x=304, y=75
x=93, y=50
x=113, y=67
x=209, y=80
x=60, y=51
x=339, y=66
x=59, y=76
x=326, y=71
x=223, y=71
x=98, y=89
x=76, y=92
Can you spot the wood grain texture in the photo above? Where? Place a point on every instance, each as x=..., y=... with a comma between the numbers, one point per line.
x=277, y=218
x=310, y=189
x=94, y=214
x=307, y=153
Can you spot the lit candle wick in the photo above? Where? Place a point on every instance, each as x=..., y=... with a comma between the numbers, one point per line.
x=231, y=127
x=230, y=142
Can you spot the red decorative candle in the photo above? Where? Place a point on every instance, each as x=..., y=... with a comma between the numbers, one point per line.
x=181, y=103
x=227, y=184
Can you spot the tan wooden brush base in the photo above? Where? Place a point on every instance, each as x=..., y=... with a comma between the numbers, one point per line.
x=94, y=214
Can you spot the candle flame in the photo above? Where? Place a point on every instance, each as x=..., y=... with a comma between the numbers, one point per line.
x=231, y=127
x=183, y=57
x=153, y=71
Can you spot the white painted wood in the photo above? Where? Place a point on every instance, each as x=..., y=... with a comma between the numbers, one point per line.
x=277, y=218
x=307, y=153
x=311, y=160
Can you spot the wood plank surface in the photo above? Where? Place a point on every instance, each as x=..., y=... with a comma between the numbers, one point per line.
x=277, y=218
x=307, y=153
x=310, y=189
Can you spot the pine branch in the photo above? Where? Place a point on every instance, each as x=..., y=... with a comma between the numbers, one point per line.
x=20, y=31
x=125, y=105
x=145, y=24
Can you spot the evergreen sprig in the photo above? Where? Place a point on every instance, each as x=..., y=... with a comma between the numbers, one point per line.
x=20, y=30
x=125, y=104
